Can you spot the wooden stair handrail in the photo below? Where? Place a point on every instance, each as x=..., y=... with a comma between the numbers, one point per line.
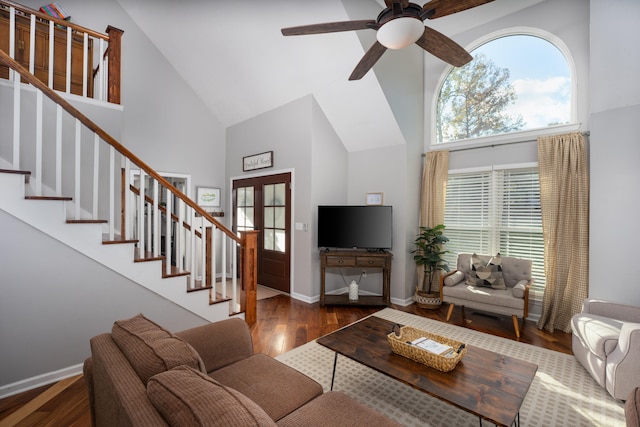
x=61, y=22
x=51, y=94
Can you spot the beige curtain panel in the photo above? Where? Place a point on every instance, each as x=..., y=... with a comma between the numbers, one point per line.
x=435, y=173
x=434, y=188
x=564, y=199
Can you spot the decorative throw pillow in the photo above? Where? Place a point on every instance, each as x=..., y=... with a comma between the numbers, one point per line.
x=486, y=272
x=151, y=349
x=518, y=289
x=454, y=279
x=186, y=397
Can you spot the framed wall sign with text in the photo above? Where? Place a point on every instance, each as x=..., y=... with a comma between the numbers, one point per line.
x=257, y=161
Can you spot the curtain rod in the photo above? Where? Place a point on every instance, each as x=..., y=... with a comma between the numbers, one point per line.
x=586, y=133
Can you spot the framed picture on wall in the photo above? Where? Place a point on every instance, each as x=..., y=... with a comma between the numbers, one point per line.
x=375, y=198
x=208, y=197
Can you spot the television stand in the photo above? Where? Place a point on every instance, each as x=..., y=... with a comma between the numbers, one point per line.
x=356, y=259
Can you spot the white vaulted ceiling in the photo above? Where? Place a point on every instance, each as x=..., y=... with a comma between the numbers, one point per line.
x=234, y=56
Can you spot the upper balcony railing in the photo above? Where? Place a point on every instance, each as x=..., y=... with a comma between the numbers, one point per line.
x=66, y=57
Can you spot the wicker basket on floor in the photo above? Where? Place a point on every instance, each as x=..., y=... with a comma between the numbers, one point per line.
x=399, y=345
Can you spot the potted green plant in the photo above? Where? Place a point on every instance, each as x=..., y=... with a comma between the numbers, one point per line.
x=428, y=254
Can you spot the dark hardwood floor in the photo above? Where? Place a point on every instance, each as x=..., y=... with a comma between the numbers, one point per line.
x=283, y=324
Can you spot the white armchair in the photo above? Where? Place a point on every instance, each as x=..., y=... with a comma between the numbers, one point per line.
x=606, y=341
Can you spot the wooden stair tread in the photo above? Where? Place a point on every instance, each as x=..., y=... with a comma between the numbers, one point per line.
x=174, y=272
x=116, y=240
x=146, y=256
x=60, y=198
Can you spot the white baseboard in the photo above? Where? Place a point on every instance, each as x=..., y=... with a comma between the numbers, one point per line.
x=39, y=380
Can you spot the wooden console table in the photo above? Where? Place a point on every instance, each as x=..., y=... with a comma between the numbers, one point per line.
x=356, y=259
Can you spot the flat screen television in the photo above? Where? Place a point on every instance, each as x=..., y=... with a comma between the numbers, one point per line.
x=357, y=227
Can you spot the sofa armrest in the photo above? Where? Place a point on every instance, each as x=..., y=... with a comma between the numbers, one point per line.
x=623, y=312
x=221, y=343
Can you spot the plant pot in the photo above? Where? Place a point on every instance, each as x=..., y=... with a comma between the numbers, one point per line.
x=430, y=301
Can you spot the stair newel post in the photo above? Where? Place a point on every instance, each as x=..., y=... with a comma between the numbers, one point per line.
x=249, y=262
x=114, y=52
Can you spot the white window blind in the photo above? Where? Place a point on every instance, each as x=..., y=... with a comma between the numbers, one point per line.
x=496, y=211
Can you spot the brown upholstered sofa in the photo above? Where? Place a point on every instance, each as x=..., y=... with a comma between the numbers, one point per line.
x=142, y=375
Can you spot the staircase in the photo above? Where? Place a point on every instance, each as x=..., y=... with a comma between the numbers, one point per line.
x=77, y=205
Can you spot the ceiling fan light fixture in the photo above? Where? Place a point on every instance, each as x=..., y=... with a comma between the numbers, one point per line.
x=400, y=32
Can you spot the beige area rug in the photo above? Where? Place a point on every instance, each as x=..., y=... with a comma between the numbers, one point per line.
x=562, y=393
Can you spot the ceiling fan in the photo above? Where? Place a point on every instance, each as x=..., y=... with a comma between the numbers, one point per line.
x=399, y=25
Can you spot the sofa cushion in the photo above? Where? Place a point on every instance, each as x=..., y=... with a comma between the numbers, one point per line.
x=483, y=296
x=486, y=271
x=150, y=349
x=335, y=409
x=186, y=397
x=598, y=333
x=274, y=386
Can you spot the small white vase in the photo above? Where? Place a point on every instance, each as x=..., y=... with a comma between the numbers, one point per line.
x=353, y=291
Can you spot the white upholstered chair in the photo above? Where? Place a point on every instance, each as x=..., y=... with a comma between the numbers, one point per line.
x=606, y=341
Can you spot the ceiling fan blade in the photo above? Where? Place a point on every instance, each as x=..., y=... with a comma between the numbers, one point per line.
x=443, y=47
x=329, y=27
x=371, y=57
x=389, y=3
x=439, y=8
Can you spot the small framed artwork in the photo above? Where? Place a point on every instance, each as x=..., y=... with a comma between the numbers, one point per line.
x=257, y=161
x=208, y=197
x=375, y=198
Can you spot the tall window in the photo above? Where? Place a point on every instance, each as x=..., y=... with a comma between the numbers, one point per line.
x=495, y=211
x=516, y=82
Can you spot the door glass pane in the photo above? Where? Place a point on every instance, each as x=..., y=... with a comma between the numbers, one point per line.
x=268, y=217
x=279, y=217
x=268, y=195
x=280, y=242
x=268, y=239
x=279, y=196
x=241, y=194
x=274, y=217
x=245, y=211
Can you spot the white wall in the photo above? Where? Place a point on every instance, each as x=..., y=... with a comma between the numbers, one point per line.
x=55, y=299
x=287, y=132
x=615, y=151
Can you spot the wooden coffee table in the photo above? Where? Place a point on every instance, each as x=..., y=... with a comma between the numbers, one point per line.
x=487, y=384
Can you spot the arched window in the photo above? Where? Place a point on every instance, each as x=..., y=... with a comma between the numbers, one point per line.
x=517, y=81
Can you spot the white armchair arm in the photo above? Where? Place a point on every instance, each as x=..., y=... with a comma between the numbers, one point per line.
x=623, y=369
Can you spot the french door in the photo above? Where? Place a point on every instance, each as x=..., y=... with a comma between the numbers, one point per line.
x=264, y=204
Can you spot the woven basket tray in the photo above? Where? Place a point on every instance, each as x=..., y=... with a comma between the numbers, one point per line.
x=407, y=334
